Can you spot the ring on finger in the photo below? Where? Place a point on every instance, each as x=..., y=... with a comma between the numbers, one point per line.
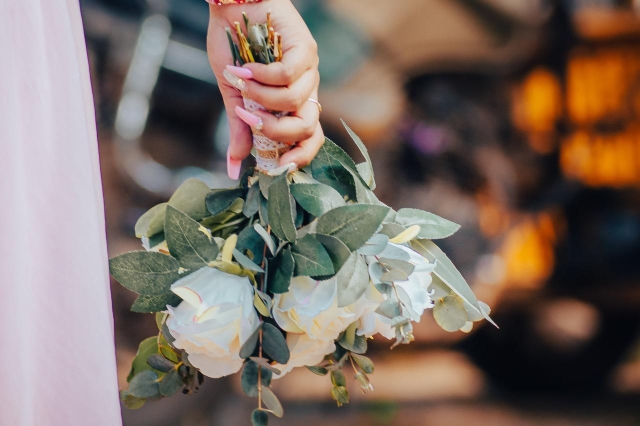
x=317, y=103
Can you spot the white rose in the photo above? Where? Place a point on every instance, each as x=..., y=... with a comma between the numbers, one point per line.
x=311, y=307
x=214, y=320
x=305, y=351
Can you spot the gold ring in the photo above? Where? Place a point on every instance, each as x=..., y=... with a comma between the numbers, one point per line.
x=317, y=103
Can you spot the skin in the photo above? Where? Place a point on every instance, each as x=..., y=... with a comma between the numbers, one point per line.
x=282, y=86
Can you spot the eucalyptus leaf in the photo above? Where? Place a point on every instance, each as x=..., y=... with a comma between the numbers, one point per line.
x=281, y=214
x=144, y=385
x=317, y=199
x=189, y=198
x=320, y=371
x=338, y=378
x=252, y=203
x=259, y=418
x=171, y=383
x=311, y=258
x=266, y=237
x=220, y=200
x=271, y=401
x=389, y=308
x=186, y=240
x=392, y=230
x=340, y=395
x=146, y=273
x=130, y=401
x=449, y=275
x=150, y=304
x=449, y=313
x=264, y=181
x=152, y=222
x=263, y=210
x=274, y=344
x=363, y=362
x=249, y=378
x=301, y=177
x=337, y=250
x=431, y=226
x=352, y=224
x=394, y=252
x=401, y=265
x=265, y=364
x=245, y=262
x=281, y=270
x=374, y=246
x=353, y=280
x=160, y=363
x=146, y=348
x=393, y=276
x=369, y=180
x=249, y=347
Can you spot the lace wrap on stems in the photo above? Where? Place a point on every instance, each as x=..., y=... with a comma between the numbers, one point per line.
x=267, y=151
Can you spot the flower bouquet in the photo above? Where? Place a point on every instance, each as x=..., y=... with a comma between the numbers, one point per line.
x=289, y=269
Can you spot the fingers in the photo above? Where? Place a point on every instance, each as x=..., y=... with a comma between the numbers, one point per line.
x=240, y=134
x=297, y=60
x=306, y=150
x=284, y=98
x=288, y=129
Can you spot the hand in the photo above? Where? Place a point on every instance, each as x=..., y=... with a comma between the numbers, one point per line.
x=282, y=86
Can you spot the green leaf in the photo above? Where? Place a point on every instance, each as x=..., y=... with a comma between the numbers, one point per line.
x=274, y=344
x=144, y=385
x=252, y=204
x=311, y=258
x=448, y=273
x=396, y=264
x=146, y=273
x=249, y=346
x=320, y=371
x=259, y=418
x=353, y=224
x=338, y=178
x=264, y=182
x=265, y=364
x=187, y=240
x=150, y=304
x=189, y=198
x=389, y=308
x=432, y=227
x=271, y=401
x=249, y=378
x=393, y=276
x=220, y=200
x=368, y=175
x=130, y=401
x=281, y=270
x=364, y=195
x=146, y=348
x=160, y=363
x=246, y=262
x=338, y=251
x=365, y=363
x=392, y=230
x=281, y=213
x=352, y=341
x=250, y=240
x=332, y=166
x=338, y=378
x=318, y=198
x=394, y=252
x=171, y=383
x=374, y=246
x=340, y=395
x=152, y=222
x=353, y=280
x=449, y=313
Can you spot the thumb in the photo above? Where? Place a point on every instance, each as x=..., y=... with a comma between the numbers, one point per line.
x=240, y=136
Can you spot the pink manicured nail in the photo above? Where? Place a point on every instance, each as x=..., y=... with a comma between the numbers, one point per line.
x=233, y=167
x=252, y=120
x=240, y=72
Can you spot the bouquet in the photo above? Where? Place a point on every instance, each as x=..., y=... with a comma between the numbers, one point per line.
x=288, y=269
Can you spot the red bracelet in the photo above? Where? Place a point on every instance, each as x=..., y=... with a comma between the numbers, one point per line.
x=223, y=2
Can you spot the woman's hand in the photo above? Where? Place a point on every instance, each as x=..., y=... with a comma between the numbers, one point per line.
x=281, y=86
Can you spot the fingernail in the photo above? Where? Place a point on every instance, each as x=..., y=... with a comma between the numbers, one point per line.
x=240, y=72
x=252, y=120
x=235, y=81
x=292, y=167
x=233, y=167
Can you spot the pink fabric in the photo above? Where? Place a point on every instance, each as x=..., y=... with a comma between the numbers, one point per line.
x=57, y=359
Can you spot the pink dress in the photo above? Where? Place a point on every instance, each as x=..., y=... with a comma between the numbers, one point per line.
x=57, y=354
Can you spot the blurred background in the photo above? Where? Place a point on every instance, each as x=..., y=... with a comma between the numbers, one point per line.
x=519, y=119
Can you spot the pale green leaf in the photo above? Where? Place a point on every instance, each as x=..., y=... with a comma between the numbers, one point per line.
x=144, y=385
x=152, y=222
x=449, y=313
x=432, y=227
x=367, y=169
x=189, y=198
x=353, y=280
x=171, y=383
x=271, y=401
x=374, y=246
